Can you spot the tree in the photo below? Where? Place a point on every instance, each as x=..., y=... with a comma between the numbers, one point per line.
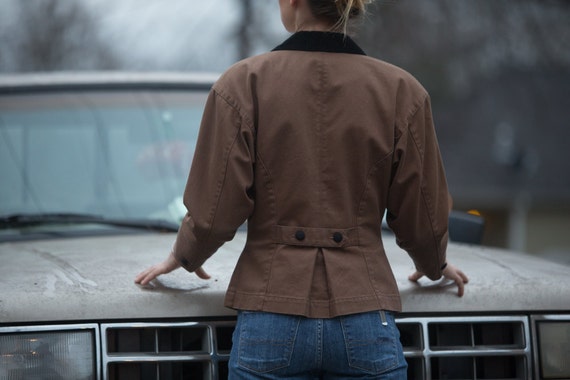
x=451, y=45
x=256, y=31
x=51, y=35
x=244, y=38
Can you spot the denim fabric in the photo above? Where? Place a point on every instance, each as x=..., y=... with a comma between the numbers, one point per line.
x=278, y=346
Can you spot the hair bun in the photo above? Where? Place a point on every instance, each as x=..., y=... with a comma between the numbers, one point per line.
x=349, y=9
x=339, y=12
x=353, y=7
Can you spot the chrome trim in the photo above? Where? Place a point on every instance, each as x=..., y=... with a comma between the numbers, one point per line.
x=212, y=355
x=61, y=328
x=427, y=353
x=538, y=318
x=106, y=80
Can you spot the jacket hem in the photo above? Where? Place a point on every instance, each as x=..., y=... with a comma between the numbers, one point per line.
x=311, y=308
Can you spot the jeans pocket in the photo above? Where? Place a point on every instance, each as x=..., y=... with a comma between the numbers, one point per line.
x=372, y=342
x=265, y=340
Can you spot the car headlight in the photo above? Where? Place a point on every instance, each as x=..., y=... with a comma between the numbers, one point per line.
x=67, y=354
x=554, y=349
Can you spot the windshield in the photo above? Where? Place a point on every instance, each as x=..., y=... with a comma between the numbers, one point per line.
x=115, y=154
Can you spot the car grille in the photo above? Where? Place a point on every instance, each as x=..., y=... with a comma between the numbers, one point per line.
x=467, y=347
x=166, y=350
x=435, y=348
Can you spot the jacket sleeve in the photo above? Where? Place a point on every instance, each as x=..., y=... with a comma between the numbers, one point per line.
x=218, y=192
x=418, y=200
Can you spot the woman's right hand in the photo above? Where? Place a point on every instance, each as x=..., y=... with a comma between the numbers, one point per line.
x=164, y=267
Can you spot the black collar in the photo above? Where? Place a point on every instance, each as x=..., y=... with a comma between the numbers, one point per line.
x=327, y=42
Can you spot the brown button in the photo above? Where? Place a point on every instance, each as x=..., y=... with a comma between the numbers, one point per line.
x=300, y=235
x=337, y=237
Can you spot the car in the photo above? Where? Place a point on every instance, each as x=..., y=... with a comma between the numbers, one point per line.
x=92, y=168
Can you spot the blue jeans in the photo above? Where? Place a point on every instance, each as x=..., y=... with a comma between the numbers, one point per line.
x=278, y=346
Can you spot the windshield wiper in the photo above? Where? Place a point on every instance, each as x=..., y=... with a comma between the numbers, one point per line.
x=28, y=220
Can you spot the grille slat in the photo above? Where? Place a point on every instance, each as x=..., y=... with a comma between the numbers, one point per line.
x=159, y=358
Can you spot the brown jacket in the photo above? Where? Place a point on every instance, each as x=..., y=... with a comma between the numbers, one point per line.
x=311, y=143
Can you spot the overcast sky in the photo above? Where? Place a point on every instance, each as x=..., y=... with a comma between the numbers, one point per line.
x=169, y=35
x=201, y=33
x=166, y=31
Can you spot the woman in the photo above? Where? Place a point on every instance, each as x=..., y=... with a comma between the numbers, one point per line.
x=311, y=143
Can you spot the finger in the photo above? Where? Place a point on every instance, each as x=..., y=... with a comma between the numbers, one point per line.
x=463, y=277
x=148, y=275
x=415, y=276
x=200, y=272
x=151, y=276
x=460, y=286
x=141, y=276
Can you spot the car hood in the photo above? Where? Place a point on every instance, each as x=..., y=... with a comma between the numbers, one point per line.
x=93, y=279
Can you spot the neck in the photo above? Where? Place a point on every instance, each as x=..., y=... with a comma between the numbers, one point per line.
x=314, y=26
x=306, y=22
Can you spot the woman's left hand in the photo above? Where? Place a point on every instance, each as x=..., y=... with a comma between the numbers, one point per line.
x=451, y=272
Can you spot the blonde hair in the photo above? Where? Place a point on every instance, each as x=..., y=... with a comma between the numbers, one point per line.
x=338, y=12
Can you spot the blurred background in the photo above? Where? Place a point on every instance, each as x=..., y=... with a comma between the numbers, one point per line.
x=498, y=72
